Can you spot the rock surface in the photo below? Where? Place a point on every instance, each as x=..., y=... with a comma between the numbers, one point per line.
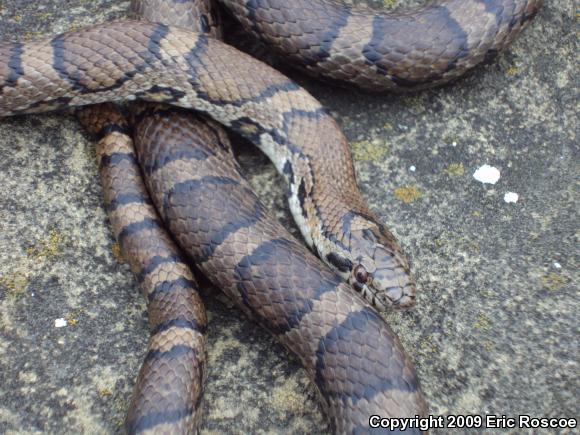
x=496, y=326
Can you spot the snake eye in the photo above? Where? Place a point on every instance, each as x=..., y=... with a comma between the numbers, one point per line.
x=361, y=274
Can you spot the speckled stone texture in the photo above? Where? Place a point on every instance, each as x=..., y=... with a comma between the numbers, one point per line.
x=496, y=326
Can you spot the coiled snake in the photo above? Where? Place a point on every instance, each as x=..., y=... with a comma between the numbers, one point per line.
x=322, y=323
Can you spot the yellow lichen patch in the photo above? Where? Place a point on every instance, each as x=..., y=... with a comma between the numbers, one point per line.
x=455, y=170
x=482, y=322
x=488, y=345
x=105, y=392
x=120, y=406
x=389, y=4
x=72, y=317
x=47, y=247
x=285, y=398
x=407, y=194
x=74, y=27
x=441, y=241
x=476, y=214
x=15, y=283
x=29, y=36
x=388, y=126
x=554, y=281
x=427, y=347
x=117, y=253
x=512, y=71
x=369, y=150
x=43, y=15
x=70, y=320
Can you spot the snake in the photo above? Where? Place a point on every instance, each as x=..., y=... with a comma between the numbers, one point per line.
x=322, y=323
x=426, y=46
x=169, y=386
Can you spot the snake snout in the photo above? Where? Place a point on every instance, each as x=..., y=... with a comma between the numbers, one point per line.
x=402, y=297
x=395, y=289
x=392, y=283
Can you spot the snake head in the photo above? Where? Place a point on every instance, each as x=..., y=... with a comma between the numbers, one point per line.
x=380, y=270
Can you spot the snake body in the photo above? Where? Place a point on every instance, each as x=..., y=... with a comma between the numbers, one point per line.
x=169, y=386
x=396, y=51
x=350, y=353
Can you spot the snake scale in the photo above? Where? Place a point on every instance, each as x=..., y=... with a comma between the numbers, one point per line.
x=352, y=356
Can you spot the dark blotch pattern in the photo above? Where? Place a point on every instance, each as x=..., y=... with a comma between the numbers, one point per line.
x=15, y=66
x=341, y=263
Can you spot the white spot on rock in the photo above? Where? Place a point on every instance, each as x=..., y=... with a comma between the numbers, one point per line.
x=60, y=323
x=412, y=168
x=557, y=265
x=511, y=197
x=487, y=174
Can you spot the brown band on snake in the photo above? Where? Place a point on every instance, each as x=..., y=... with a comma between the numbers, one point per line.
x=377, y=50
x=169, y=386
x=153, y=62
x=350, y=353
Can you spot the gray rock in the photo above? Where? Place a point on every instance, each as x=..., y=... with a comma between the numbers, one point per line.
x=496, y=326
